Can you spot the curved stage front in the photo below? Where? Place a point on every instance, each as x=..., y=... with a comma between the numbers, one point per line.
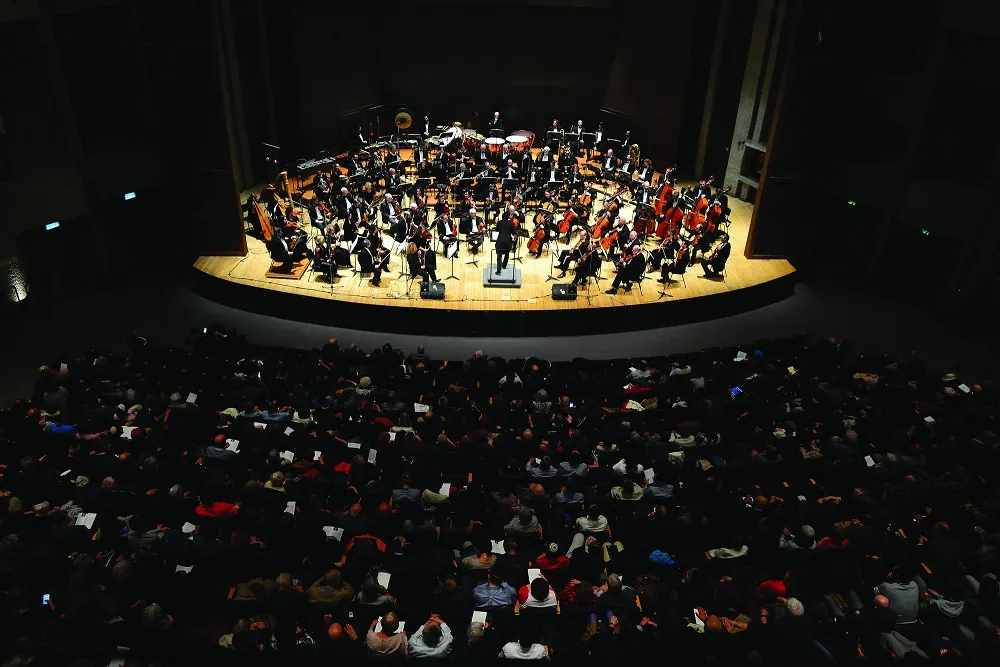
x=470, y=309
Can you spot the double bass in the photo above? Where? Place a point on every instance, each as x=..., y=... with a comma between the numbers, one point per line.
x=670, y=220
x=664, y=196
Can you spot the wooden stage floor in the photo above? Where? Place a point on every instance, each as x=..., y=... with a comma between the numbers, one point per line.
x=468, y=292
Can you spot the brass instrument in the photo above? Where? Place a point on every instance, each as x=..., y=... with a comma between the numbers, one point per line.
x=634, y=155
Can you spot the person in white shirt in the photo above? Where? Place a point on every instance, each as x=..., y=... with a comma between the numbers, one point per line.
x=432, y=639
x=524, y=649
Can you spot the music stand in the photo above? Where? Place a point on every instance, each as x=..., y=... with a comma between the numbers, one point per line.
x=449, y=253
x=551, y=243
x=509, y=185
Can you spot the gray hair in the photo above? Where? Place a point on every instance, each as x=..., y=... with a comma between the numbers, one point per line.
x=476, y=634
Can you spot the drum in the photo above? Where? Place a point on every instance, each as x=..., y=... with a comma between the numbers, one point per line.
x=494, y=144
x=527, y=134
x=518, y=142
x=472, y=139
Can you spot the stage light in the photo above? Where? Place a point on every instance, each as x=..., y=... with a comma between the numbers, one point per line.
x=129, y=195
x=851, y=202
x=925, y=232
x=52, y=225
x=13, y=280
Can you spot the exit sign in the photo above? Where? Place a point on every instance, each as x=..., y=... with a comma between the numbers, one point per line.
x=129, y=195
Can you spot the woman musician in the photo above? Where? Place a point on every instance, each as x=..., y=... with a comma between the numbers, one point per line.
x=416, y=262
x=572, y=254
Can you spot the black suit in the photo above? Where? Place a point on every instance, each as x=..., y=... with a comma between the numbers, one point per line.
x=718, y=262
x=609, y=163
x=587, y=267
x=631, y=270
x=497, y=125
x=505, y=240
x=646, y=174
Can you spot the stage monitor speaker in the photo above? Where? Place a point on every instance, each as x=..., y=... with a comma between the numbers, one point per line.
x=562, y=292
x=431, y=290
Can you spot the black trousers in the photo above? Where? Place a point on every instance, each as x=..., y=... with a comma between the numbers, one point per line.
x=621, y=277
x=567, y=256
x=503, y=256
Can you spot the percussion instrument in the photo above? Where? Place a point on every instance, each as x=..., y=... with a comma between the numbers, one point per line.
x=528, y=134
x=472, y=139
x=494, y=144
x=518, y=143
x=451, y=134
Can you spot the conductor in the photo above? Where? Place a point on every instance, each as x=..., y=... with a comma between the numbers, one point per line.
x=505, y=238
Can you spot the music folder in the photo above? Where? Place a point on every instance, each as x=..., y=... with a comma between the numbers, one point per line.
x=451, y=250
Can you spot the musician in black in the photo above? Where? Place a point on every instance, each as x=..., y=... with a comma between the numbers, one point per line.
x=353, y=165
x=483, y=155
x=400, y=227
x=506, y=153
x=421, y=262
x=678, y=265
x=715, y=262
x=505, y=237
x=288, y=252
x=463, y=172
x=545, y=158
x=525, y=162
x=444, y=228
x=496, y=125
x=646, y=172
x=609, y=164
x=426, y=130
x=424, y=169
x=588, y=264
x=572, y=254
x=663, y=252
x=477, y=231
x=629, y=270
x=325, y=261
x=362, y=138
x=632, y=242
x=419, y=154
x=388, y=210
x=373, y=262
x=577, y=136
x=392, y=181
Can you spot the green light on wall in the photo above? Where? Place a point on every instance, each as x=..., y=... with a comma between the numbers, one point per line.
x=851, y=202
x=925, y=232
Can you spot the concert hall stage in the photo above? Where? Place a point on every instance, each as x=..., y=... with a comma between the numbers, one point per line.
x=470, y=309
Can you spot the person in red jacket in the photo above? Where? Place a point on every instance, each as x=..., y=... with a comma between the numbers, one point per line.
x=551, y=559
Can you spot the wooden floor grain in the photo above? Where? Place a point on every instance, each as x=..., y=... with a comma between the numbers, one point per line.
x=468, y=292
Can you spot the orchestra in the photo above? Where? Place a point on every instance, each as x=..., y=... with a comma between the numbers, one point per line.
x=374, y=201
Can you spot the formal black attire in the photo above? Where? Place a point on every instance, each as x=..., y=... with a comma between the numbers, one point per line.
x=630, y=271
x=587, y=267
x=678, y=266
x=717, y=263
x=505, y=240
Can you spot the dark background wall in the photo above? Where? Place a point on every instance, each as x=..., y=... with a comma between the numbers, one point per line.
x=459, y=61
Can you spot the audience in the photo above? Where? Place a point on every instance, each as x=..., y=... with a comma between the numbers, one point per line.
x=233, y=502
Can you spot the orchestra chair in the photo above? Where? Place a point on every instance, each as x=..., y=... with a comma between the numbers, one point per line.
x=681, y=274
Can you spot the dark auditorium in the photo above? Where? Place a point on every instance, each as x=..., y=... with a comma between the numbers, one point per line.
x=568, y=331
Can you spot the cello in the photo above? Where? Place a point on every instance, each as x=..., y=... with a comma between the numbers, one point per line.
x=566, y=223
x=670, y=220
x=538, y=237
x=665, y=194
